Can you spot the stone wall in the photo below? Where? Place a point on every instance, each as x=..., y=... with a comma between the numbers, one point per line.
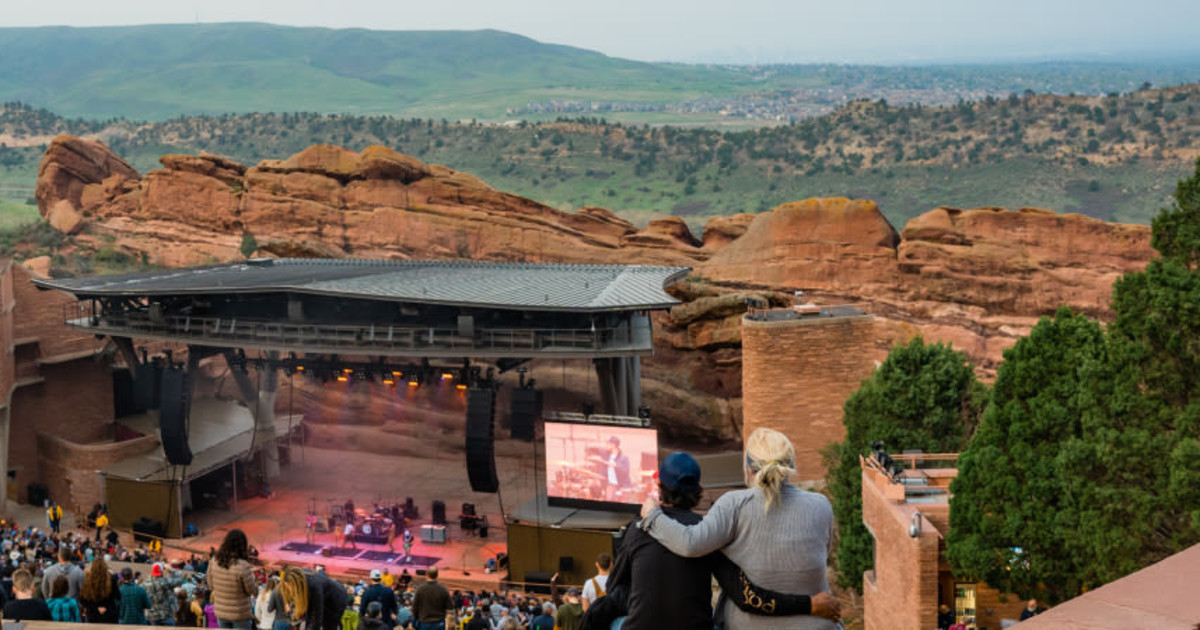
x=796, y=374
x=70, y=470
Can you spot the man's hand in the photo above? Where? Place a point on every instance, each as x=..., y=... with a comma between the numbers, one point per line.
x=649, y=505
x=825, y=605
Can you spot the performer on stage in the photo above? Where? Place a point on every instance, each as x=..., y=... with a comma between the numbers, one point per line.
x=617, y=478
x=408, y=542
x=391, y=537
x=348, y=535
x=310, y=528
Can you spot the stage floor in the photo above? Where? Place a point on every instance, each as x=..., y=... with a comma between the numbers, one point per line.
x=327, y=477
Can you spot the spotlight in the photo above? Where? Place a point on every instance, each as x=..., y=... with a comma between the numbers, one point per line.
x=447, y=376
x=342, y=378
x=462, y=387
x=414, y=383
x=388, y=381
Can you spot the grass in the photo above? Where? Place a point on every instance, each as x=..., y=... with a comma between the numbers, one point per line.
x=15, y=214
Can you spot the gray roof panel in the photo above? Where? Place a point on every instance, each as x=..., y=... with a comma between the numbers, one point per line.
x=518, y=286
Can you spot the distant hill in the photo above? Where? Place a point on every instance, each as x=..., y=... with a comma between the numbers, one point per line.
x=1108, y=157
x=160, y=72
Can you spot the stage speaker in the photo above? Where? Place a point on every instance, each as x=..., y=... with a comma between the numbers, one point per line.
x=147, y=387
x=538, y=582
x=145, y=529
x=566, y=564
x=526, y=409
x=439, y=512
x=481, y=456
x=172, y=417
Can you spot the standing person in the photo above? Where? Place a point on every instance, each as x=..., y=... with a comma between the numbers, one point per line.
x=378, y=592
x=62, y=606
x=569, y=614
x=310, y=528
x=134, y=600
x=99, y=594
x=160, y=588
x=431, y=603
x=544, y=621
x=231, y=581
x=594, y=587
x=348, y=535
x=54, y=516
x=24, y=606
x=616, y=478
x=101, y=523
x=778, y=534
x=65, y=567
x=408, y=543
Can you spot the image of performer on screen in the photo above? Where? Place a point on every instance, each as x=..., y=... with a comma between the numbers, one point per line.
x=616, y=479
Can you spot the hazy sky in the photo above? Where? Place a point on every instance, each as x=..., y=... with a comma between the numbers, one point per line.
x=880, y=31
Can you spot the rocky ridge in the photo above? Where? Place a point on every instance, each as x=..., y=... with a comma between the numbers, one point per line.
x=975, y=278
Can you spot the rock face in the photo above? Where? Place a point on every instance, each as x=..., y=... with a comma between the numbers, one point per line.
x=978, y=279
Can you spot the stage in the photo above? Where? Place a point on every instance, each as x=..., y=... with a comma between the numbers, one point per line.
x=275, y=526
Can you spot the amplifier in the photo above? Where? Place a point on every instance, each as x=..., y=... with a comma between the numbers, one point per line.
x=433, y=534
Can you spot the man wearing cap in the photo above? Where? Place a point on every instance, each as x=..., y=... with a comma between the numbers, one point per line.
x=569, y=614
x=617, y=478
x=668, y=591
x=160, y=589
x=379, y=592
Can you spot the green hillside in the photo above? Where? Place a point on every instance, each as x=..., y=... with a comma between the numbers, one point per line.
x=160, y=72
x=1111, y=157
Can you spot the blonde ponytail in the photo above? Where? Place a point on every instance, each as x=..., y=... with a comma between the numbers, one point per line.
x=771, y=457
x=293, y=586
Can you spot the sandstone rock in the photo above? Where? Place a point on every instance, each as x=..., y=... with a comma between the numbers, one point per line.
x=323, y=159
x=835, y=245
x=38, y=266
x=208, y=165
x=378, y=162
x=721, y=231
x=63, y=217
x=300, y=249
x=69, y=166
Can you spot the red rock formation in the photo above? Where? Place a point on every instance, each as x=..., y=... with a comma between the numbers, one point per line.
x=975, y=278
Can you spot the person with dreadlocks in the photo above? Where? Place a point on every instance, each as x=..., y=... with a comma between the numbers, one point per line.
x=313, y=597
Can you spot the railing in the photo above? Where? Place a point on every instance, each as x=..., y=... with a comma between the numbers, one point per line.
x=370, y=337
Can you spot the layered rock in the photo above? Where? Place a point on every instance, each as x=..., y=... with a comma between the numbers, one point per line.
x=978, y=279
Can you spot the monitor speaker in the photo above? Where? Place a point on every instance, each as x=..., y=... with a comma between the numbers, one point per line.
x=526, y=409
x=481, y=456
x=172, y=417
x=439, y=512
x=566, y=564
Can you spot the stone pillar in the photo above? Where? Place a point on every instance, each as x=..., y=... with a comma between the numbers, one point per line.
x=4, y=413
x=621, y=379
x=635, y=384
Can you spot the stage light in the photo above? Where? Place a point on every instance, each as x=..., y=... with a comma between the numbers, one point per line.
x=397, y=374
x=462, y=387
x=347, y=370
x=388, y=381
x=447, y=375
x=414, y=383
x=342, y=379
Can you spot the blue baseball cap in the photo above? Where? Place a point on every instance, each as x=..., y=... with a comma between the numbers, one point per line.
x=679, y=471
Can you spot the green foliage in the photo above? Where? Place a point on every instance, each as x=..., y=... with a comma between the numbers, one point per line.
x=1176, y=231
x=922, y=397
x=249, y=244
x=1010, y=493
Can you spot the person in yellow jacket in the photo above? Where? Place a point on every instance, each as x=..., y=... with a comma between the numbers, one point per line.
x=101, y=523
x=54, y=515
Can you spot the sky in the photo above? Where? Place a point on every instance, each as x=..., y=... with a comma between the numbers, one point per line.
x=718, y=31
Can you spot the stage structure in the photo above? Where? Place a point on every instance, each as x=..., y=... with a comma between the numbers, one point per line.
x=378, y=317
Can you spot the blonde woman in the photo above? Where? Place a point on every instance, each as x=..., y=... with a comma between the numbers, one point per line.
x=312, y=597
x=778, y=534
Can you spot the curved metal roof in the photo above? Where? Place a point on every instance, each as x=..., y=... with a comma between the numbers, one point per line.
x=518, y=286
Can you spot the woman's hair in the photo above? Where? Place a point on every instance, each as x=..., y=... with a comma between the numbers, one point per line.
x=293, y=586
x=97, y=585
x=770, y=456
x=272, y=583
x=61, y=587
x=233, y=548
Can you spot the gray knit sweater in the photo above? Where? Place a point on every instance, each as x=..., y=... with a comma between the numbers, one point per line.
x=785, y=549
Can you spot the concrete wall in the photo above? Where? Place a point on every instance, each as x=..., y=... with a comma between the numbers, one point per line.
x=797, y=374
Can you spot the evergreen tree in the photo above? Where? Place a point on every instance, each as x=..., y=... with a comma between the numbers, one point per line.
x=1011, y=517
x=1136, y=470
x=922, y=397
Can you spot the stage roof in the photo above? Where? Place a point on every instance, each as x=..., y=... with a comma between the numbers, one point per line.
x=524, y=286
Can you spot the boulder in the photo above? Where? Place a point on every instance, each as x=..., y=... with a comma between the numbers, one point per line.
x=68, y=167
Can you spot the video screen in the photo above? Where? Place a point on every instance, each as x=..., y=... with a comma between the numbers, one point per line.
x=600, y=466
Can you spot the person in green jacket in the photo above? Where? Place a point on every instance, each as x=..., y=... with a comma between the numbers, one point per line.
x=62, y=606
x=134, y=600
